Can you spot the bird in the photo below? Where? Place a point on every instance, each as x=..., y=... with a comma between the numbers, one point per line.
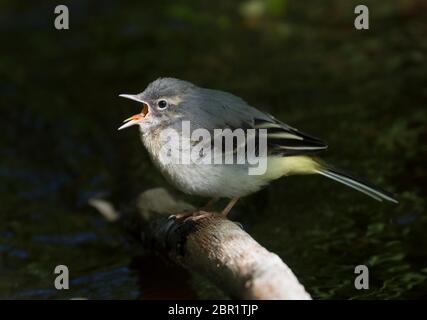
x=168, y=102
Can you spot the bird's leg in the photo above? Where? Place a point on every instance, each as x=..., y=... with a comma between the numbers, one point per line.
x=202, y=212
x=209, y=204
x=229, y=206
x=193, y=216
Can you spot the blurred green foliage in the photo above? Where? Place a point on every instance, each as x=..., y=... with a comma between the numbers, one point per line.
x=365, y=92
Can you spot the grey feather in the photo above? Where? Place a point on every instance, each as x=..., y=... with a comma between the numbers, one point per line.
x=214, y=109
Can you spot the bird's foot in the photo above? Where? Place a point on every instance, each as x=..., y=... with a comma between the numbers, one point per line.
x=193, y=216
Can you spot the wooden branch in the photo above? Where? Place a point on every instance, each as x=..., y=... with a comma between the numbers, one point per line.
x=218, y=249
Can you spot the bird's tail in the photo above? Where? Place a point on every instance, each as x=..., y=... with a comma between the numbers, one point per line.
x=357, y=183
x=309, y=165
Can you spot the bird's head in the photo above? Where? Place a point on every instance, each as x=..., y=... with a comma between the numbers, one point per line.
x=161, y=101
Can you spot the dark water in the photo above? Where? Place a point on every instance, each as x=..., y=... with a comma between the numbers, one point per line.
x=363, y=92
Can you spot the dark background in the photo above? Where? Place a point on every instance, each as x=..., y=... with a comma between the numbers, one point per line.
x=365, y=92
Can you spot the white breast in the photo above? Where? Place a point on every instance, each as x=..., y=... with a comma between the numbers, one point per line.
x=208, y=180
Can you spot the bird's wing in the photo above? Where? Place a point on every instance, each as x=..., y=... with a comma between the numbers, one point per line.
x=283, y=139
x=224, y=110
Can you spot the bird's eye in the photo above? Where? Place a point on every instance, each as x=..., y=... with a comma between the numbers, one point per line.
x=162, y=104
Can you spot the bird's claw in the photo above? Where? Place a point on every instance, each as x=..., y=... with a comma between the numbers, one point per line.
x=191, y=216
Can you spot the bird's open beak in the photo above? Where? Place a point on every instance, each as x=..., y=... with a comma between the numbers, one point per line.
x=136, y=118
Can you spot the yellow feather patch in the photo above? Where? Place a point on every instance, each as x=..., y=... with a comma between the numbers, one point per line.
x=286, y=166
